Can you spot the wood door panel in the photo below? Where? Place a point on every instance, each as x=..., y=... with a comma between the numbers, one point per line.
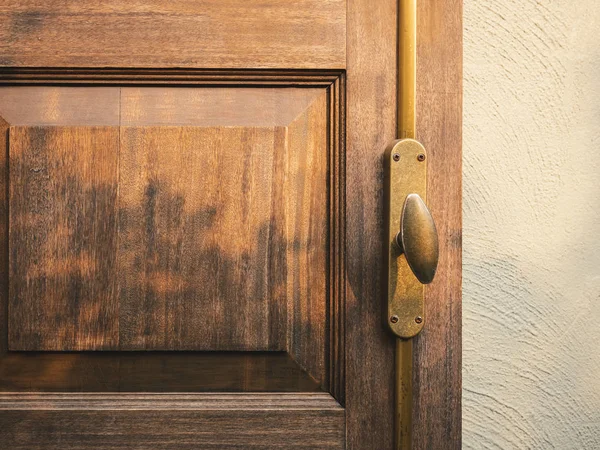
x=151, y=33
x=220, y=235
x=200, y=219
x=63, y=238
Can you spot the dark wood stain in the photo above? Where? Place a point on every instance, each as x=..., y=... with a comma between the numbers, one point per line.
x=23, y=23
x=311, y=145
x=199, y=285
x=197, y=274
x=63, y=238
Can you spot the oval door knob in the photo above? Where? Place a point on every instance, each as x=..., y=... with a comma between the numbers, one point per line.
x=418, y=238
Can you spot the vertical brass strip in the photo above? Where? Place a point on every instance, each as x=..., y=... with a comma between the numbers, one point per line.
x=407, y=74
x=407, y=67
x=404, y=360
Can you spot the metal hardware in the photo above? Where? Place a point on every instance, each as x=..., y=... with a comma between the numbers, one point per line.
x=412, y=243
x=418, y=239
x=404, y=394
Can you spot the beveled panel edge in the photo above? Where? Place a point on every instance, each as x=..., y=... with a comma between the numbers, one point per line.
x=29, y=106
x=155, y=106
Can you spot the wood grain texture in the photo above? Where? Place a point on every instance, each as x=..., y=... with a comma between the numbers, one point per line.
x=437, y=350
x=155, y=106
x=208, y=237
x=254, y=421
x=214, y=106
x=371, y=82
x=268, y=401
x=153, y=372
x=371, y=125
x=183, y=33
x=57, y=105
x=238, y=227
x=63, y=235
x=196, y=231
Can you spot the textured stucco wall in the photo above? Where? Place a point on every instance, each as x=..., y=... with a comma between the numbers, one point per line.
x=531, y=286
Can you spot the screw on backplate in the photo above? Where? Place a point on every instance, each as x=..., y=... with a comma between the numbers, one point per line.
x=419, y=319
x=396, y=156
x=421, y=156
x=394, y=319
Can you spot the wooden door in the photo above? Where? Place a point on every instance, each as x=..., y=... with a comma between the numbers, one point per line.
x=192, y=224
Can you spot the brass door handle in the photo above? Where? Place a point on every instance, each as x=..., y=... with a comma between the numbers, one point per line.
x=418, y=239
x=412, y=241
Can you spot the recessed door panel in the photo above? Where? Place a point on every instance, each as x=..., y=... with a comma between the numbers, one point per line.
x=179, y=219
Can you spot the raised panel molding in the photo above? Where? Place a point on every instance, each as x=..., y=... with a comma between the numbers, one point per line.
x=312, y=94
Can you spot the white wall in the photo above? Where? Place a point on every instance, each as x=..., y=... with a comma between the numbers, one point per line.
x=531, y=289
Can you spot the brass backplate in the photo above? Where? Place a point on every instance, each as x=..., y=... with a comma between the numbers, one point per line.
x=405, y=173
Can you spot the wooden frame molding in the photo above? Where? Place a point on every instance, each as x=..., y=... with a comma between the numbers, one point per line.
x=168, y=77
x=334, y=84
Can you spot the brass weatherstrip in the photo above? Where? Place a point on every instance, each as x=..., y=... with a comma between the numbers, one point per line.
x=407, y=69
